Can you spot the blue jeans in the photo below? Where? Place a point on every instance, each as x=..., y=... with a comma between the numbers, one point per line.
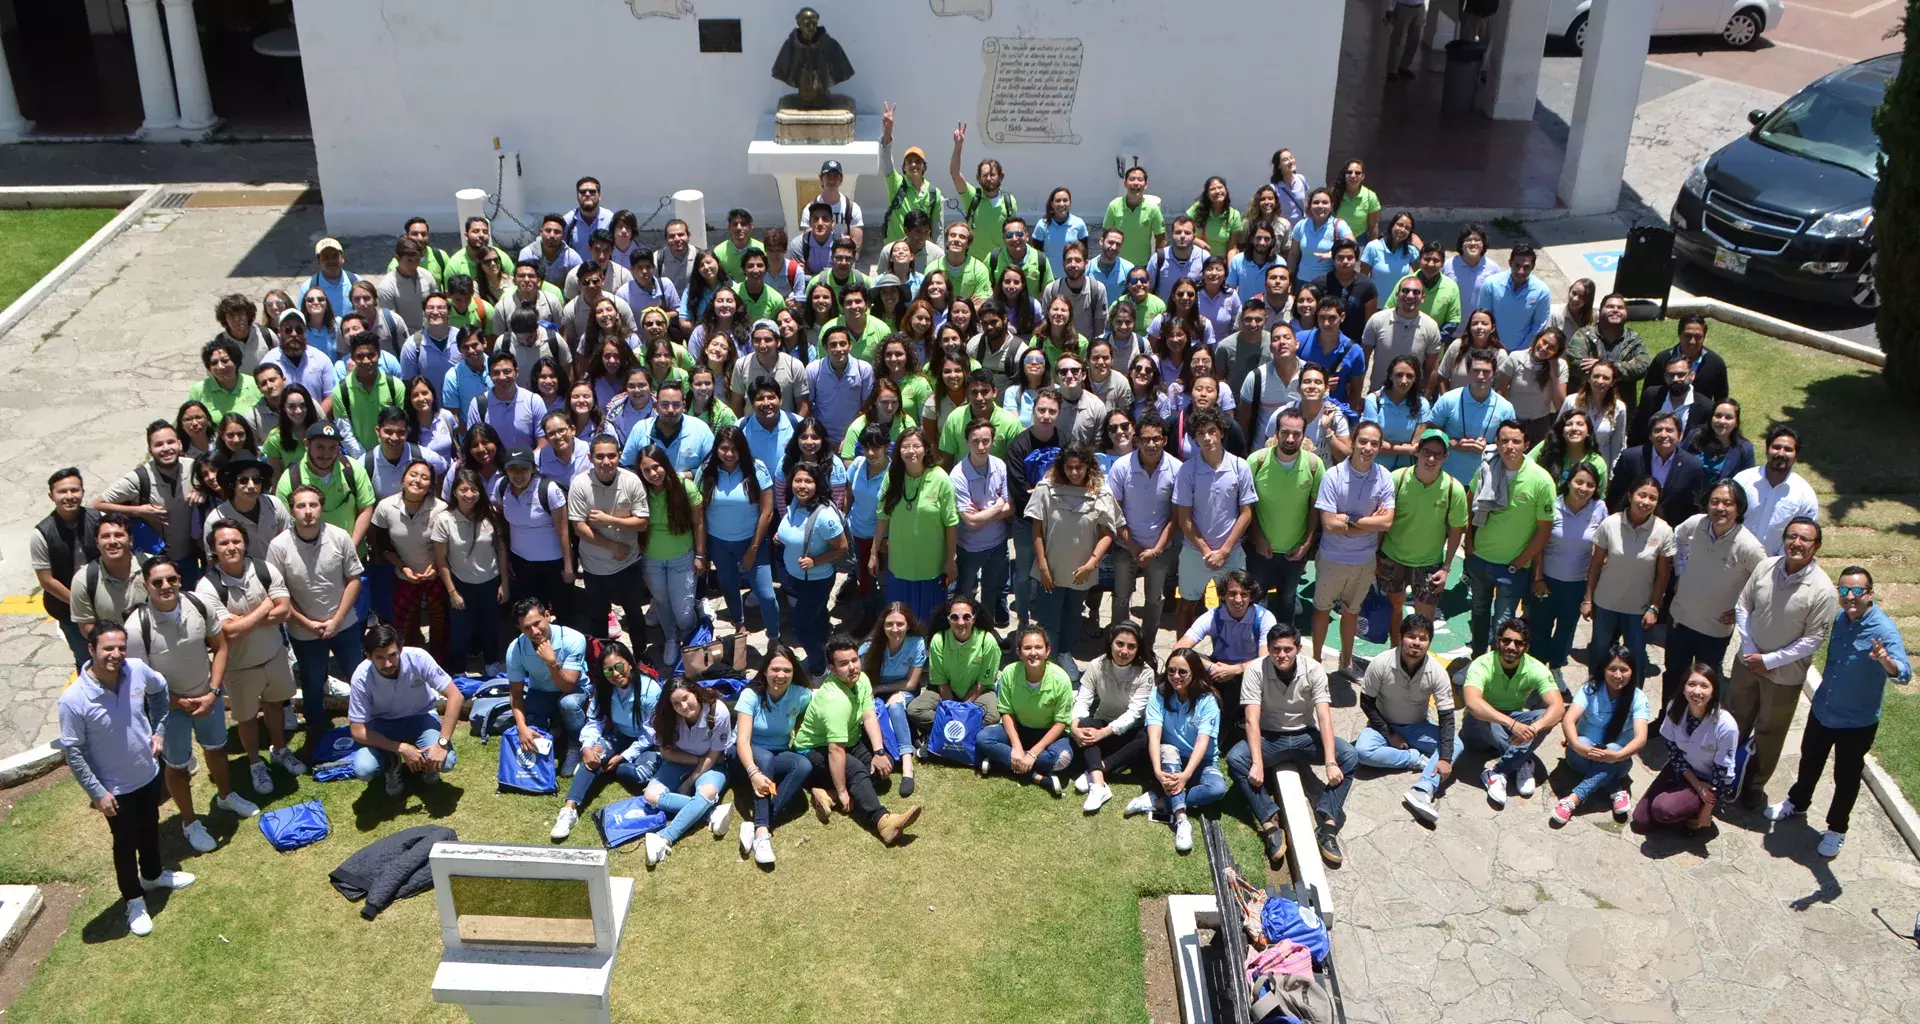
x=1061, y=611
x=544, y=707
x=997, y=749
x=377, y=591
x=633, y=774
x=726, y=556
x=810, y=619
x=895, y=704
x=476, y=625
x=687, y=811
x=1595, y=776
x=1554, y=618
x=1492, y=736
x=421, y=730
x=1627, y=626
x=1301, y=748
x=1207, y=785
x=983, y=577
x=672, y=583
x=1280, y=576
x=311, y=659
x=788, y=770
x=1423, y=741
x=1020, y=584
x=1494, y=593
x=76, y=644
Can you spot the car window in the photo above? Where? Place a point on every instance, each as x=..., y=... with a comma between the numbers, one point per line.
x=1828, y=126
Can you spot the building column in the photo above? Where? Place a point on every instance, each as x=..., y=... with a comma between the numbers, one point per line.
x=12, y=125
x=1517, y=41
x=189, y=67
x=150, y=62
x=1603, y=108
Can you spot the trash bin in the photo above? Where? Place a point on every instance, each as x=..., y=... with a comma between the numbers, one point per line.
x=1645, y=270
x=1464, y=57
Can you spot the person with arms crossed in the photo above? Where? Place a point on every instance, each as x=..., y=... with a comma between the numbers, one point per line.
x=1356, y=506
x=1512, y=706
x=253, y=604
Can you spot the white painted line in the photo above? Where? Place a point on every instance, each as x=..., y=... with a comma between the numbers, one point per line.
x=1784, y=45
x=37, y=294
x=1695, y=72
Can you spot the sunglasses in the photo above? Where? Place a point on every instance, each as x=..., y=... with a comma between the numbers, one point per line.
x=959, y=617
x=1851, y=591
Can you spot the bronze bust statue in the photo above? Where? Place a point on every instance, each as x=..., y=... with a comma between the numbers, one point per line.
x=812, y=62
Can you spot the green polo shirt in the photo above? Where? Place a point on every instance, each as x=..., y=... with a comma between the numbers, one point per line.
x=902, y=199
x=826, y=277
x=850, y=445
x=220, y=401
x=1509, y=693
x=1284, y=495
x=343, y=493
x=1220, y=229
x=969, y=282
x=1035, y=267
x=1442, y=301
x=459, y=262
x=361, y=405
x=961, y=667
x=917, y=526
x=1036, y=705
x=479, y=313
x=1508, y=531
x=1139, y=224
x=765, y=307
x=834, y=713
x=953, y=433
x=1054, y=352
x=662, y=543
x=729, y=256
x=868, y=341
x=1422, y=515
x=1143, y=311
x=988, y=219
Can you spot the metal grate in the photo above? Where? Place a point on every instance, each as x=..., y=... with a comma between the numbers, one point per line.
x=173, y=201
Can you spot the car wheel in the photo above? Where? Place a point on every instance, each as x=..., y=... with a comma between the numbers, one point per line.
x=1576, y=37
x=1743, y=29
x=1866, y=289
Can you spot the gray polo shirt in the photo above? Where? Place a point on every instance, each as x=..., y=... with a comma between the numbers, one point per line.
x=316, y=573
x=470, y=552
x=162, y=491
x=409, y=531
x=1403, y=698
x=625, y=496
x=179, y=644
x=263, y=643
x=407, y=296
x=269, y=520
x=111, y=598
x=1286, y=705
x=788, y=372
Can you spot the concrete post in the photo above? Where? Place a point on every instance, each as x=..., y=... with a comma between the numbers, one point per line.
x=1517, y=41
x=150, y=62
x=1604, y=106
x=189, y=67
x=12, y=125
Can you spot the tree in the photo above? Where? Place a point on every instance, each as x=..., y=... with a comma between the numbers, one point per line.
x=1896, y=209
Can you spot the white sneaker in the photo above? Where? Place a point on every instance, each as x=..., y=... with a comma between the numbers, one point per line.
x=1097, y=797
x=168, y=880
x=746, y=838
x=1496, y=789
x=563, y=825
x=396, y=785
x=982, y=767
x=1420, y=802
x=763, y=851
x=1182, y=834
x=238, y=804
x=262, y=777
x=1138, y=805
x=657, y=848
x=137, y=920
x=1781, y=811
x=1523, y=778
x=1830, y=843
x=1049, y=782
x=1080, y=783
x=199, y=839
x=287, y=761
x=717, y=819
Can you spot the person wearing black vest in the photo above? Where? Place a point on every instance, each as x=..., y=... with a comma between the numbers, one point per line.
x=62, y=543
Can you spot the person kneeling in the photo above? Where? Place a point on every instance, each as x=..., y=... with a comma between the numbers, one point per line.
x=764, y=718
x=1183, y=731
x=1702, y=741
x=1288, y=706
x=617, y=742
x=1036, y=703
x=840, y=737
x=390, y=710
x=1394, y=695
x=694, y=732
x=1606, y=726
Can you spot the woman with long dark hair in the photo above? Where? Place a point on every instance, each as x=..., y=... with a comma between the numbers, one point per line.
x=583, y=412
x=1289, y=185
x=721, y=319
x=1560, y=573
x=813, y=536
x=674, y=555
x=1023, y=311
x=917, y=533
x=1606, y=412
x=428, y=425
x=607, y=370
x=1216, y=224
x=1355, y=203
x=1575, y=313
x=764, y=718
x=1183, y=306
x=617, y=742
x=1073, y=517
x=1627, y=580
x=1604, y=728
x=1399, y=407
x=894, y=657
x=947, y=369
x=694, y=732
x=194, y=424
x=737, y=492
x=1479, y=335
x=1036, y=372
x=1722, y=448
x=1570, y=444
x=1028, y=738
x=809, y=445
x=1391, y=257
x=1219, y=305
x=1108, y=712
x=1702, y=743
x=1535, y=381
x=469, y=556
x=1183, y=734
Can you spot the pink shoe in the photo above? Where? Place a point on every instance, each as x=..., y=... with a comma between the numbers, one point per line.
x=1561, y=813
x=1622, y=805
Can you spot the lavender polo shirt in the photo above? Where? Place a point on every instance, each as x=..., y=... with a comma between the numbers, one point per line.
x=1356, y=494
x=1215, y=495
x=1146, y=499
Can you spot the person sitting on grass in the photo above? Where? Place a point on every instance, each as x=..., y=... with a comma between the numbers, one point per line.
x=1028, y=737
x=963, y=662
x=1107, y=709
x=894, y=658
x=1237, y=627
x=694, y=733
x=1512, y=706
x=1183, y=734
x=390, y=710
x=840, y=736
x=1394, y=695
x=1604, y=728
x=764, y=719
x=1702, y=741
x=1288, y=711
x=618, y=741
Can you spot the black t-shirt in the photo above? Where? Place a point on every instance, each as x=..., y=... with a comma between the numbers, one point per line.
x=1354, y=297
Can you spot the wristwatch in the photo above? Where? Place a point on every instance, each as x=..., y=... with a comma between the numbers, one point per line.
x=443, y=743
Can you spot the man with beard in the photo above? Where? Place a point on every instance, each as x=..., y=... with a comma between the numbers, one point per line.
x=1776, y=495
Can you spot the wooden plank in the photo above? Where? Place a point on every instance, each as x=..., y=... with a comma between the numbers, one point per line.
x=1303, y=846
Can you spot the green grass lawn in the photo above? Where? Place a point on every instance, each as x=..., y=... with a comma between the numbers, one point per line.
x=33, y=242
x=1007, y=905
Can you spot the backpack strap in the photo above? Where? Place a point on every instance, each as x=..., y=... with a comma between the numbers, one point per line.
x=144, y=479
x=93, y=583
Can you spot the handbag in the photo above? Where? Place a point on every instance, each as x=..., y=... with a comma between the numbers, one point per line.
x=624, y=821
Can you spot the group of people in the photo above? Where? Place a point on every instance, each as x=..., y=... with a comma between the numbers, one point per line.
x=503, y=462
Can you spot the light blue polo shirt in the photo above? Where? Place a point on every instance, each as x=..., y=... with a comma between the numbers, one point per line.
x=773, y=720
x=687, y=450
x=838, y=396
x=1051, y=239
x=408, y=692
x=1249, y=279
x=1459, y=414
x=769, y=447
x=864, y=499
x=460, y=386
x=895, y=666
x=1397, y=422
x=1518, y=314
x=516, y=421
x=569, y=647
x=732, y=516
x=630, y=714
x=386, y=475
x=1146, y=499
x=793, y=531
x=110, y=727
x=1182, y=723
x=1114, y=279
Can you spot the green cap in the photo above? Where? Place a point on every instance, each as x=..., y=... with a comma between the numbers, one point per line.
x=1433, y=434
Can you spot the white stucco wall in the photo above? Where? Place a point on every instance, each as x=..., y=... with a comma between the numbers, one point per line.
x=406, y=96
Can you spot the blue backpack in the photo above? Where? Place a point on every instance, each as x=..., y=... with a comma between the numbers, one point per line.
x=956, y=725
x=472, y=686
x=1374, y=613
x=290, y=828
x=334, y=760
x=622, y=822
x=727, y=688
x=895, y=746
x=490, y=711
x=523, y=771
x=1282, y=918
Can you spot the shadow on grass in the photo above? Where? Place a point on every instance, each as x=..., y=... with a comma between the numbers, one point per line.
x=373, y=807
x=1852, y=434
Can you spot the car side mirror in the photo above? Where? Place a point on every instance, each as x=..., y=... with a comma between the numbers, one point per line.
x=1755, y=116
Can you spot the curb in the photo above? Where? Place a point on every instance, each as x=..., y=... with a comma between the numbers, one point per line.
x=30, y=764
x=137, y=199
x=1774, y=327
x=1899, y=810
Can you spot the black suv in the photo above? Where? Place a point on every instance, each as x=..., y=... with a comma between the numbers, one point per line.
x=1788, y=207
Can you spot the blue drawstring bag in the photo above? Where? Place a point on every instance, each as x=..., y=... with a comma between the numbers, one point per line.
x=290, y=828
x=895, y=745
x=1374, y=613
x=727, y=688
x=956, y=725
x=471, y=685
x=1282, y=918
x=333, y=760
x=627, y=820
x=527, y=771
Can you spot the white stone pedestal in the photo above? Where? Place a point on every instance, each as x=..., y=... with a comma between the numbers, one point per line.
x=796, y=168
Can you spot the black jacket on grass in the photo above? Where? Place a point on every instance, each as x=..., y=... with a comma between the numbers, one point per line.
x=390, y=869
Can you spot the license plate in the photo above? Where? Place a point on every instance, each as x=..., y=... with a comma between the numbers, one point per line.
x=1727, y=259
